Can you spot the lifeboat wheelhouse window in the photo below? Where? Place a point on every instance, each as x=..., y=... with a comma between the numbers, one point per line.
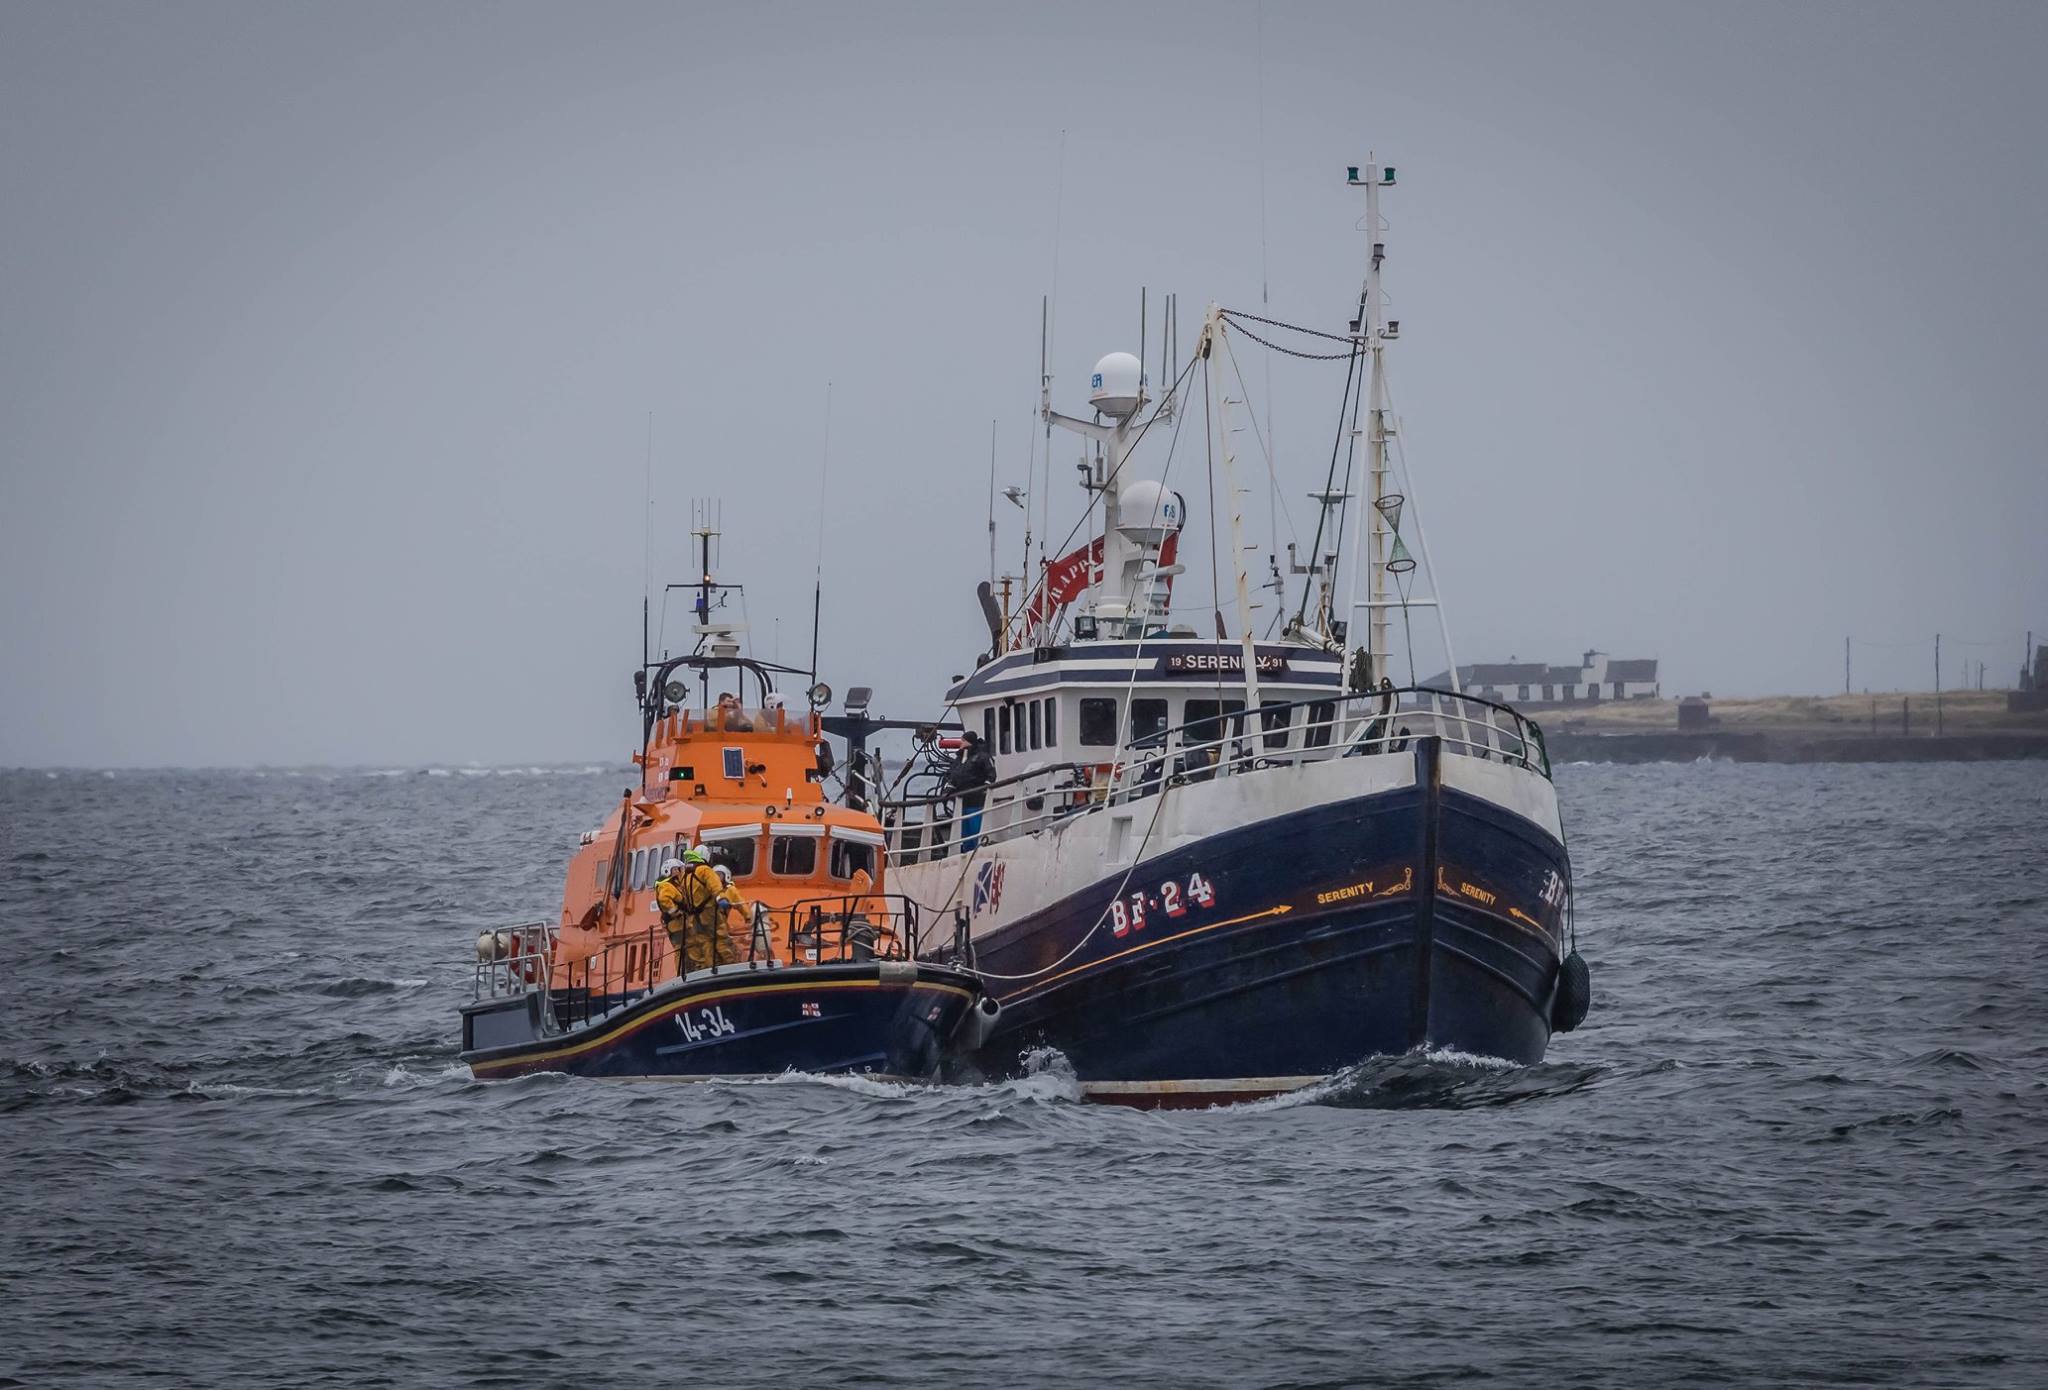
x=736, y=855
x=1098, y=722
x=634, y=881
x=793, y=855
x=849, y=858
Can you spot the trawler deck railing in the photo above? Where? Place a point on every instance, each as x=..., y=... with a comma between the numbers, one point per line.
x=933, y=827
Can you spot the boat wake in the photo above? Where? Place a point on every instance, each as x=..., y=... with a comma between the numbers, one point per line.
x=1440, y=1080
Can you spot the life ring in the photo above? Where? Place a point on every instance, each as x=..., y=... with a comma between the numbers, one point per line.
x=525, y=965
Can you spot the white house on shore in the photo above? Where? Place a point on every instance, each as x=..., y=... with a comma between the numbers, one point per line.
x=1596, y=678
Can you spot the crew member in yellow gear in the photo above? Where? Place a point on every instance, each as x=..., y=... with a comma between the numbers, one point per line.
x=736, y=917
x=694, y=902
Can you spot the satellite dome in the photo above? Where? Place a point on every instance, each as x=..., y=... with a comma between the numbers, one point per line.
x=1147, y=511
x=1117, y=386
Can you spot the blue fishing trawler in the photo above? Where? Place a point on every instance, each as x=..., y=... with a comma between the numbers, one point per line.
x=1221, y=865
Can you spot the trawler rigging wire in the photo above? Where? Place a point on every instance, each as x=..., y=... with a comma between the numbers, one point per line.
x=1291, y=352
x=1241, y=317
x=1315, y=549
x=1272, y=464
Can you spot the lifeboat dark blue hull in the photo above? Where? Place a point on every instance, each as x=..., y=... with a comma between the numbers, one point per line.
x=1420, y=917
x=884, y=1018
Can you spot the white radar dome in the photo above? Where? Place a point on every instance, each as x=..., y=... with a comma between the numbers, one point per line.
x=1117, y=385
x=1147, y=511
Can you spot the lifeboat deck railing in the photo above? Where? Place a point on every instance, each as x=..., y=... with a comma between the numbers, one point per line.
x=851, y=927
x=1251, y=742
x=834, y=929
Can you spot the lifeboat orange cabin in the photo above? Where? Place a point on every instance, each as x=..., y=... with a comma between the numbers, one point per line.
x=745, y=786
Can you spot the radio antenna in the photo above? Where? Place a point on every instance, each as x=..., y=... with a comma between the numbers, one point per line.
x=818, y=578
x=647, y=547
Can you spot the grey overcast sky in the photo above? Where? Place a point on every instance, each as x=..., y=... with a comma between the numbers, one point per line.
x=328, y=334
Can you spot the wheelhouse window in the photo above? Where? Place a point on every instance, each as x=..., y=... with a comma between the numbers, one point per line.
x=1148, y=719
x=737, y=855
x=1274, y=719
x=1206, y=720
x=1036, y=731
x=793, y=855
x=848, y=858
x=988, y=726
x=1322, y=719
x=1098, y=722
x=1052, y=721
x=1003, y=730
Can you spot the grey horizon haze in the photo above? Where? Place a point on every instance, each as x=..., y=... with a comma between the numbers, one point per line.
x=329, y=335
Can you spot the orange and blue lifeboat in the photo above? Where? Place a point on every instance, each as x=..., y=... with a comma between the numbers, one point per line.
x=820, y=969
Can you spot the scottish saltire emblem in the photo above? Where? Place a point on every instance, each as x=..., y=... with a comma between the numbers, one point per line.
x=988, y=887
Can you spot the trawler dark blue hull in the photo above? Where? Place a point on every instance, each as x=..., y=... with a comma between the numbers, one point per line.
x=1416, y=917
x=884, y=1018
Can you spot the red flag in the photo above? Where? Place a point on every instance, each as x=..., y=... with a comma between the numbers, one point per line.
x=1068, y=577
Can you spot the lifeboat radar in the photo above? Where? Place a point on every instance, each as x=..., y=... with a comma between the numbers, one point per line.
x=1149, y=513
x=1117, y=385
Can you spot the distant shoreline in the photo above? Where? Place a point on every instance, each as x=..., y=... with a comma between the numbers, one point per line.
x=1970, y=726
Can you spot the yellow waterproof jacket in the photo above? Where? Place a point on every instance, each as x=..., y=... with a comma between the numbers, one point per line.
x=675, y=899
x=701, y=894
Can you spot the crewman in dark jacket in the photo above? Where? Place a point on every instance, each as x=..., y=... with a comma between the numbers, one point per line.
x=968, y=778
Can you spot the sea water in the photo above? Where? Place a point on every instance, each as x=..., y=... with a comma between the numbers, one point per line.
x=1803, y=1137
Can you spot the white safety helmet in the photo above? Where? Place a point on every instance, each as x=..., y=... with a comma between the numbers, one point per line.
x=669, y=866
x=724, y=874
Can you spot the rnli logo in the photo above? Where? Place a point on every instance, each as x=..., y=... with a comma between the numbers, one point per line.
x=988, y=887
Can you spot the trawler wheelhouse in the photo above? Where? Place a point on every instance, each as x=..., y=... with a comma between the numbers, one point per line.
x=1075, y=703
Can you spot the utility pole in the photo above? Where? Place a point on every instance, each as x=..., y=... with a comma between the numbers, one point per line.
x=1937, y=685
